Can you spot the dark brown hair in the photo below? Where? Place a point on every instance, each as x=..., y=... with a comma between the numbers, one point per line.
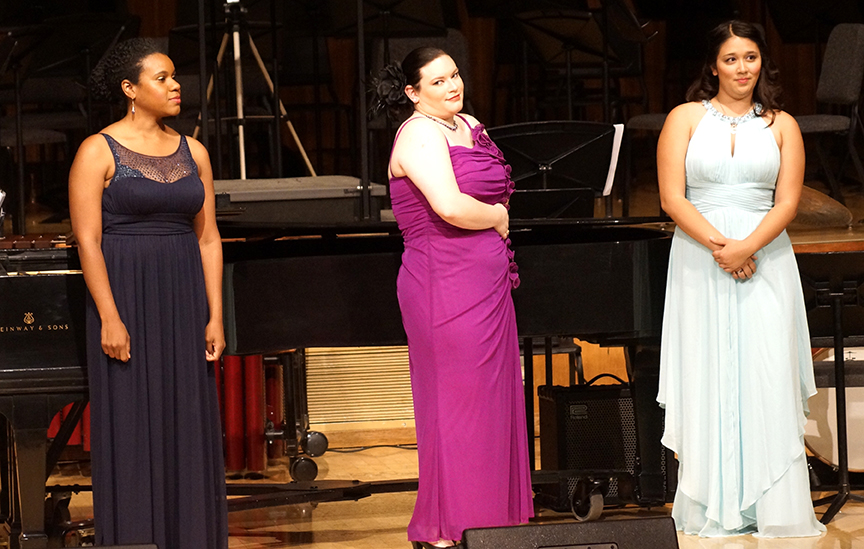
x=416, y=60
x=767, y=91
x=388, y=90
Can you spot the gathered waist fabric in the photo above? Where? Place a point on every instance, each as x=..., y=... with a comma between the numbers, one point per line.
x=754, y=197
x=151, y=224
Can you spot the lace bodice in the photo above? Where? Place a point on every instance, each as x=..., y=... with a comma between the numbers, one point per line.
x=164, y=169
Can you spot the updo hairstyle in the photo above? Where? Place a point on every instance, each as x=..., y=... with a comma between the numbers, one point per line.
x=123, y=62
x=388, y=89
x=767, y=91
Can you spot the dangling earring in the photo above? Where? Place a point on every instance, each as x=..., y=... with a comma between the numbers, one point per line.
x=133, y=106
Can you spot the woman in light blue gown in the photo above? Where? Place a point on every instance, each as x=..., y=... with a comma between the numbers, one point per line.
x=735, y=366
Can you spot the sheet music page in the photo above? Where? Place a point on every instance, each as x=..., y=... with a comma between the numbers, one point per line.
x=613, y=163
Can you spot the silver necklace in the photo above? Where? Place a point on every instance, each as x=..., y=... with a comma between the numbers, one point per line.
x=734, y=121
x=452, y=128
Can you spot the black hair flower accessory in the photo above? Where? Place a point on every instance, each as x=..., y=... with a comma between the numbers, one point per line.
x=388, y=90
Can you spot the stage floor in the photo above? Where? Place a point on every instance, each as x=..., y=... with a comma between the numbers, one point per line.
x=381, y=519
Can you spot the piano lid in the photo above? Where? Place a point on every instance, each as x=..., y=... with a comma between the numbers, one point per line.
x=594, y=278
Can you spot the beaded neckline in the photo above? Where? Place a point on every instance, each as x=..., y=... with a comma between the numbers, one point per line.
x=733, y=121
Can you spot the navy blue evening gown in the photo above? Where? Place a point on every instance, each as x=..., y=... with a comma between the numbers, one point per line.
x=158, y=474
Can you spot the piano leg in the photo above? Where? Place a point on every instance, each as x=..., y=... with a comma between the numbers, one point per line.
x=653, y=483
x=528, y=365
x=30, y=446
x=28, y=417
x=298, y=435
x=6, y=458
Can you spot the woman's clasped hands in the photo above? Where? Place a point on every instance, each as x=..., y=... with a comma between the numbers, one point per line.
x=734, y=257
x=502, y=226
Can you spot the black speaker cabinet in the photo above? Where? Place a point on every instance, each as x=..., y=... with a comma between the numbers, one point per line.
x=589, y=431
x=656, y=533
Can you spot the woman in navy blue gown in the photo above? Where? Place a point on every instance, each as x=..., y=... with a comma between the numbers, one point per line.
x=142, y=207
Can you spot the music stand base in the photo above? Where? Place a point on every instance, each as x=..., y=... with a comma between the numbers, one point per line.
x=837, y=501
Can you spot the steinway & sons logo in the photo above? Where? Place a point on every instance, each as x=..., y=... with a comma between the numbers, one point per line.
x=30, y=325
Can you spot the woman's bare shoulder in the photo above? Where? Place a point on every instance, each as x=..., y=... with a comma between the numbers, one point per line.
x=471, y=120
x=785, y=121
x=94, y=162
x=684, y=118
x=687, y=111
x=94, y=147
x=195, y=146
x=421, y=131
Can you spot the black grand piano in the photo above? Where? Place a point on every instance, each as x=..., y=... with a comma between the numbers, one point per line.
x=42, y=360
x=601, y=280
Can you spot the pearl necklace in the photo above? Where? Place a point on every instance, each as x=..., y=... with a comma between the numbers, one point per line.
x=452, y=128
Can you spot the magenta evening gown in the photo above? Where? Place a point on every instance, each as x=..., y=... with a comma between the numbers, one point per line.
x=469, y=407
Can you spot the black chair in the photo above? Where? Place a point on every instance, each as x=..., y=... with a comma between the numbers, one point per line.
x=840, y=89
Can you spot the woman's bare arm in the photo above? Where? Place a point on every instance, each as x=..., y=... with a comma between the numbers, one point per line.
x=422, y=154
x=210, y=244
x=87, y=178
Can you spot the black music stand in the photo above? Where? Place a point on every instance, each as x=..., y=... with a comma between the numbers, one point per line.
x=54, y=48
x=584, y=41
x=15, y=47
x=387, y=19
x=2, y=211
x=559, y=167
x=833, y=284
x=508, y=8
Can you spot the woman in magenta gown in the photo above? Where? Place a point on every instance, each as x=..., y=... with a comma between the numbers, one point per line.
x=450, y=187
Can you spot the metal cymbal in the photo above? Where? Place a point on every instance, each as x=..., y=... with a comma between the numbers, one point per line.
x=817, y=209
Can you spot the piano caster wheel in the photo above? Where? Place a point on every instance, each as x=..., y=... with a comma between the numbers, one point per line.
x=314, y=444
x=304, y=510
x=586, y=501
x=57, y=509
x=79, y=535
x=303, y=469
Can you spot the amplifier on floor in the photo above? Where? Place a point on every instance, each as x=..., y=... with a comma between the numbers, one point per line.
x=656, y=533
x=590, y=432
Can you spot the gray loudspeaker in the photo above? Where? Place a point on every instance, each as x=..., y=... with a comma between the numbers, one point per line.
x=656, y=533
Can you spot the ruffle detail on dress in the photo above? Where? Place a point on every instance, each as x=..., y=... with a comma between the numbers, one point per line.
x=480, y=137
x=514, y=268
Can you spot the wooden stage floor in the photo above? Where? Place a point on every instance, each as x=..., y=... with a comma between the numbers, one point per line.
x=381, y=519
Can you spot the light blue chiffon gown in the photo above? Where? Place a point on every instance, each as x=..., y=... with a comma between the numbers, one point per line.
x=735, y=364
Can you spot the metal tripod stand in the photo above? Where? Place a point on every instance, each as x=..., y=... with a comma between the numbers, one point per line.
x=833, y=284
x=235, y=13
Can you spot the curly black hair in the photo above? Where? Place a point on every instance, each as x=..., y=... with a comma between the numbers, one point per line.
x=122, y=62
x=767, y=91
